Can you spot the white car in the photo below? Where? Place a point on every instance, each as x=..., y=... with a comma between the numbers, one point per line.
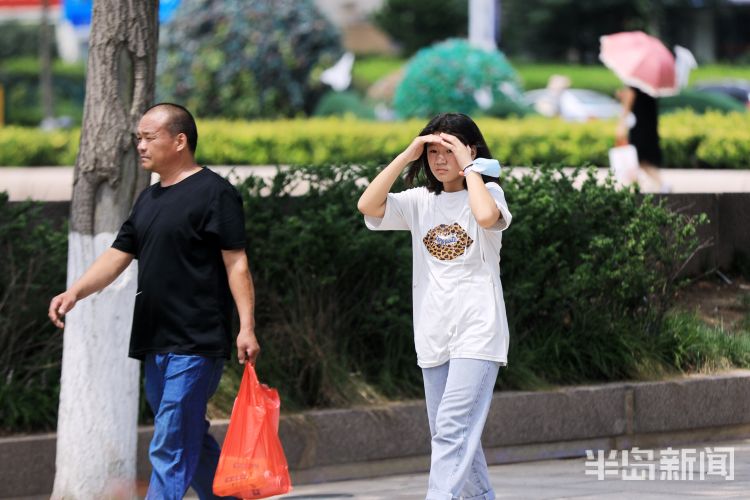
x=577, y=105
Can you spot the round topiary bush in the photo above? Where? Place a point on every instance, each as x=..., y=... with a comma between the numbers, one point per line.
x=246, y=58
x=453, y=76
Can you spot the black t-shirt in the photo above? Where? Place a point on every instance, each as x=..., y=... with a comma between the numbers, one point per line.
x=183, y=304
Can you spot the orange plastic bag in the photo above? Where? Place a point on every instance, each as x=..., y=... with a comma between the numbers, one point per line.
x=252, y=462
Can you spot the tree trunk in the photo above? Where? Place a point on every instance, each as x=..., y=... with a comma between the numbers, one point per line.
x=482, y=24
x=45, y=63
x=97, y=420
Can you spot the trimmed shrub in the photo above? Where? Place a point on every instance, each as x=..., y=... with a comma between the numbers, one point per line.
x=712, y=140
x=454, y=76
x=20, y=40
x=334, y=327
x=20, y=79
x=32, y=270
x=246, y=59
x=318, y=141
x=34, y=147
x=588, y=275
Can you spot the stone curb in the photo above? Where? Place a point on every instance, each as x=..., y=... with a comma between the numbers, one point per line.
x=328, y=445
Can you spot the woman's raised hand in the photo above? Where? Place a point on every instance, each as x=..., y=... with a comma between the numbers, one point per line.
x=461, y=152
x=415, y=149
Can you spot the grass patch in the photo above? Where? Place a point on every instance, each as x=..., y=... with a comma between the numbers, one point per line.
x=719, y=72
x=602, y=79
x=368, y=70
x=689, y=345
x=535, y=76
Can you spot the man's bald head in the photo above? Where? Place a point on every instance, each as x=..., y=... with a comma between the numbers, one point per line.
x=178, y=120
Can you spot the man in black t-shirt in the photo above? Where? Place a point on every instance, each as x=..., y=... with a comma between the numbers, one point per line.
x=188, y=234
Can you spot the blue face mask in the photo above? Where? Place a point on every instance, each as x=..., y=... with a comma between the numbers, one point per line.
x=484, y=166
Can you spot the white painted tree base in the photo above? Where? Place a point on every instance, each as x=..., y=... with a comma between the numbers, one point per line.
x=97, y=420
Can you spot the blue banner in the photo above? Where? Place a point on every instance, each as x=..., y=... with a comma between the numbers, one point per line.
x=78, y=12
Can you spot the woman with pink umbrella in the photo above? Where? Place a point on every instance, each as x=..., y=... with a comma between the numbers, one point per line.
x=647, y=68
x=639, y=125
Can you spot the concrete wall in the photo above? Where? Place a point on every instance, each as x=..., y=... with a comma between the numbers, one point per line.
x=370, y=441
x=728, y=229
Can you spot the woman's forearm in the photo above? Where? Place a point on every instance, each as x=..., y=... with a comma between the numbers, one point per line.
x=481, y=202
x=372, y=201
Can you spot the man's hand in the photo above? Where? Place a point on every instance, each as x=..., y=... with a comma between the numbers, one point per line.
x=247, y=346
x=243, y=292
x=105, y=269
x=59, y=307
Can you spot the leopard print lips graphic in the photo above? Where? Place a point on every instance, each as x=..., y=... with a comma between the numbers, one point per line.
x=446, y=242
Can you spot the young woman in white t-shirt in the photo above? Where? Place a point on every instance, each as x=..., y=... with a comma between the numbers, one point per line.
x=456, y=221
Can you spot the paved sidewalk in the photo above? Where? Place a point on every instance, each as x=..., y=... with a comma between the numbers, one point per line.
x=56, y=183
x=568, y=479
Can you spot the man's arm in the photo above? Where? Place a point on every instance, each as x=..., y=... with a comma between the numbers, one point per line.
x=241, y=285
x=102, y=272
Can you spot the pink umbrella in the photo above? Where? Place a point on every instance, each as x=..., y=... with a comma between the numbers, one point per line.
x=641, y=61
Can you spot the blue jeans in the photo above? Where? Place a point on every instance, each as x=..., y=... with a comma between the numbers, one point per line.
x=458, y=396
x=182, y=452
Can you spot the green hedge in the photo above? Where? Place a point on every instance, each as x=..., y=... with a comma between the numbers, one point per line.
x=19, y=39
x=32, y=270
x=711, y=140
x=528, y=141
x=20, y=81
x=20, y=146
x=588, y=275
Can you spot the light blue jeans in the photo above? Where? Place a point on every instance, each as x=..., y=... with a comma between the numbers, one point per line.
x=182, y=452
x=458, y=396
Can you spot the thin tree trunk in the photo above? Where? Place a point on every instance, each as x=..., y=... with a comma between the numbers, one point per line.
x=482, y=24
x=97, y=421
x=45, y=62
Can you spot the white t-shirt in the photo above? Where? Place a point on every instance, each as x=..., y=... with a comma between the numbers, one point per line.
x=459, y=311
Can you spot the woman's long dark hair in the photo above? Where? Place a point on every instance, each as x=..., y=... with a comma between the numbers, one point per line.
x=465, y=130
